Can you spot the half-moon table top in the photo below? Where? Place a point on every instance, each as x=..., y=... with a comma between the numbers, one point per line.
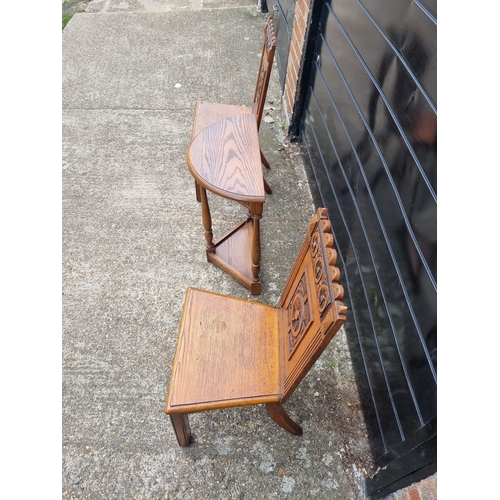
x=225, y=159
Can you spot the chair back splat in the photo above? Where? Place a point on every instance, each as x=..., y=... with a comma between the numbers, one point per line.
x=266, y=65
x=310, y=308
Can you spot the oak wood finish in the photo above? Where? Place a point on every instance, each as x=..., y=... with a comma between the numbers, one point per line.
x=207, y=113
x=225, y=159
x=234, y=352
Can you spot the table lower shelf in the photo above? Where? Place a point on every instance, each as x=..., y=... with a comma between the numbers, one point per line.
x=232, y=253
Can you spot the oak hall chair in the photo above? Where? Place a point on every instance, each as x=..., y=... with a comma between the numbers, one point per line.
x=207, y=113
x=234, y=352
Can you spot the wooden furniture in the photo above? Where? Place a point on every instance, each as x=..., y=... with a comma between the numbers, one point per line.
x=234, y=352
x=207, y=113
x=225, y=159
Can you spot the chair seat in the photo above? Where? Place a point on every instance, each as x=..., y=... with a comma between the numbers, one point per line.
x=227, y=354
x=208, y=113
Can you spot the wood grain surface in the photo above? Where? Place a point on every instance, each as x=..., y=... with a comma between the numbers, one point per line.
x=225, y=158
x=208, y=113
x=227, y=354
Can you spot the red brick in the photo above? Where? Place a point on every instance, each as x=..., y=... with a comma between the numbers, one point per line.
x=303, y=13
x=300, y=7
x=301, y=29
x=298, y=21
x=414, y=492
x=428, y=488
x=296, y=37
x=303, y=23
x=299, y=49
x=299, y=15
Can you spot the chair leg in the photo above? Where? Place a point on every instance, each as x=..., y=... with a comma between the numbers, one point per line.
x=267, y=188
x=180, y=423
x=264, y=160
x=278, y=414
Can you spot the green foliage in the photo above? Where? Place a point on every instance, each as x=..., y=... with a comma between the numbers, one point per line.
x=65, y=19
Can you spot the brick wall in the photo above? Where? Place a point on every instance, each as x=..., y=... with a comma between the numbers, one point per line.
x=295, y=56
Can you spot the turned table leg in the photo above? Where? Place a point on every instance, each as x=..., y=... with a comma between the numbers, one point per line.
x=197, y=190
x=207, y=220
x=255, y=253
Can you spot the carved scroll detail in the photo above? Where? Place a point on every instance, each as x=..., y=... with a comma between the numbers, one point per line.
x=320, y=272
x=270, y=35
x=298, y=314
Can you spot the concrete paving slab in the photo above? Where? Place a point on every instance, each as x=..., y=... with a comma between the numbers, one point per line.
x=133, y=242
x=152, y=61
x=163, y=5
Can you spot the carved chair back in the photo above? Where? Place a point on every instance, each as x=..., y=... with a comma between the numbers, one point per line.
x=310, y=308
x=266, y=64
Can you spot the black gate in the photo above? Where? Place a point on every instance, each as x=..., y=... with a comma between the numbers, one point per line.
x=369, y=138
x=283, y=14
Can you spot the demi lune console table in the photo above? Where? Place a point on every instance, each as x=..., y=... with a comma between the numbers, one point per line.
x=225, y=159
